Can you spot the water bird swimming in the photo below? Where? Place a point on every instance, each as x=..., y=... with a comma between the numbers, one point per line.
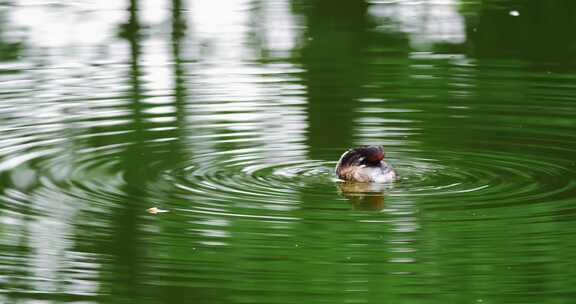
x=365, y=164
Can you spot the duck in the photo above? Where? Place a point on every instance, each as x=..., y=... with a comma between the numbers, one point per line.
x=365, y=164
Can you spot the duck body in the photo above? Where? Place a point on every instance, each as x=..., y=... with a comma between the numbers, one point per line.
x=365, y=164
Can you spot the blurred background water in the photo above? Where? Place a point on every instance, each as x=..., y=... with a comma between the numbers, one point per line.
x=231, y=115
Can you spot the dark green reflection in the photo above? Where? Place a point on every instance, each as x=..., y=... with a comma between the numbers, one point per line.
x=9, y=50
x=541, y=31
x=336, y=36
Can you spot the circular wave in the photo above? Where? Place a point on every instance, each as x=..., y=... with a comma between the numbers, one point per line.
x=484, y=179
x=449, y=179
x=254, y=179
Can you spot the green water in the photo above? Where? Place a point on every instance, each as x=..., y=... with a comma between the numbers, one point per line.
x=231, y=116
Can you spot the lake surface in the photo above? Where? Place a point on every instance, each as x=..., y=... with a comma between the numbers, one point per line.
x=230, y=116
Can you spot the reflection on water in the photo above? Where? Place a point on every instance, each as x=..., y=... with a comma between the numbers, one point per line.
x=232, y=117
x=365, y=196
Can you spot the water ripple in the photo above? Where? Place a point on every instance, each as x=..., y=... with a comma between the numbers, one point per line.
x=253, y=179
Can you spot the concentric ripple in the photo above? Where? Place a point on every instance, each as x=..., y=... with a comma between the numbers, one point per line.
x=451, y=179
x=486, y=179
x=255, y=179
x=527, y=170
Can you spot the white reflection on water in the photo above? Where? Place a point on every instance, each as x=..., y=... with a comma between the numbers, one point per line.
x=52, y=258
x=234, y=96
x=50, y=26
x=253, y=102
x=236, y=30
x=279, y=27
x=426, y=22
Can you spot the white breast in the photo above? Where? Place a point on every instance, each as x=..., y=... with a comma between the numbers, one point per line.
x=378, y=174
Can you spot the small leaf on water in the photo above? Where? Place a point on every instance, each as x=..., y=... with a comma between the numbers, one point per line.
x=155, y=210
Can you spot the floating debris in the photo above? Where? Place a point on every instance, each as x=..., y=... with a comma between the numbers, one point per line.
x=155, y=210
x=514, y=13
